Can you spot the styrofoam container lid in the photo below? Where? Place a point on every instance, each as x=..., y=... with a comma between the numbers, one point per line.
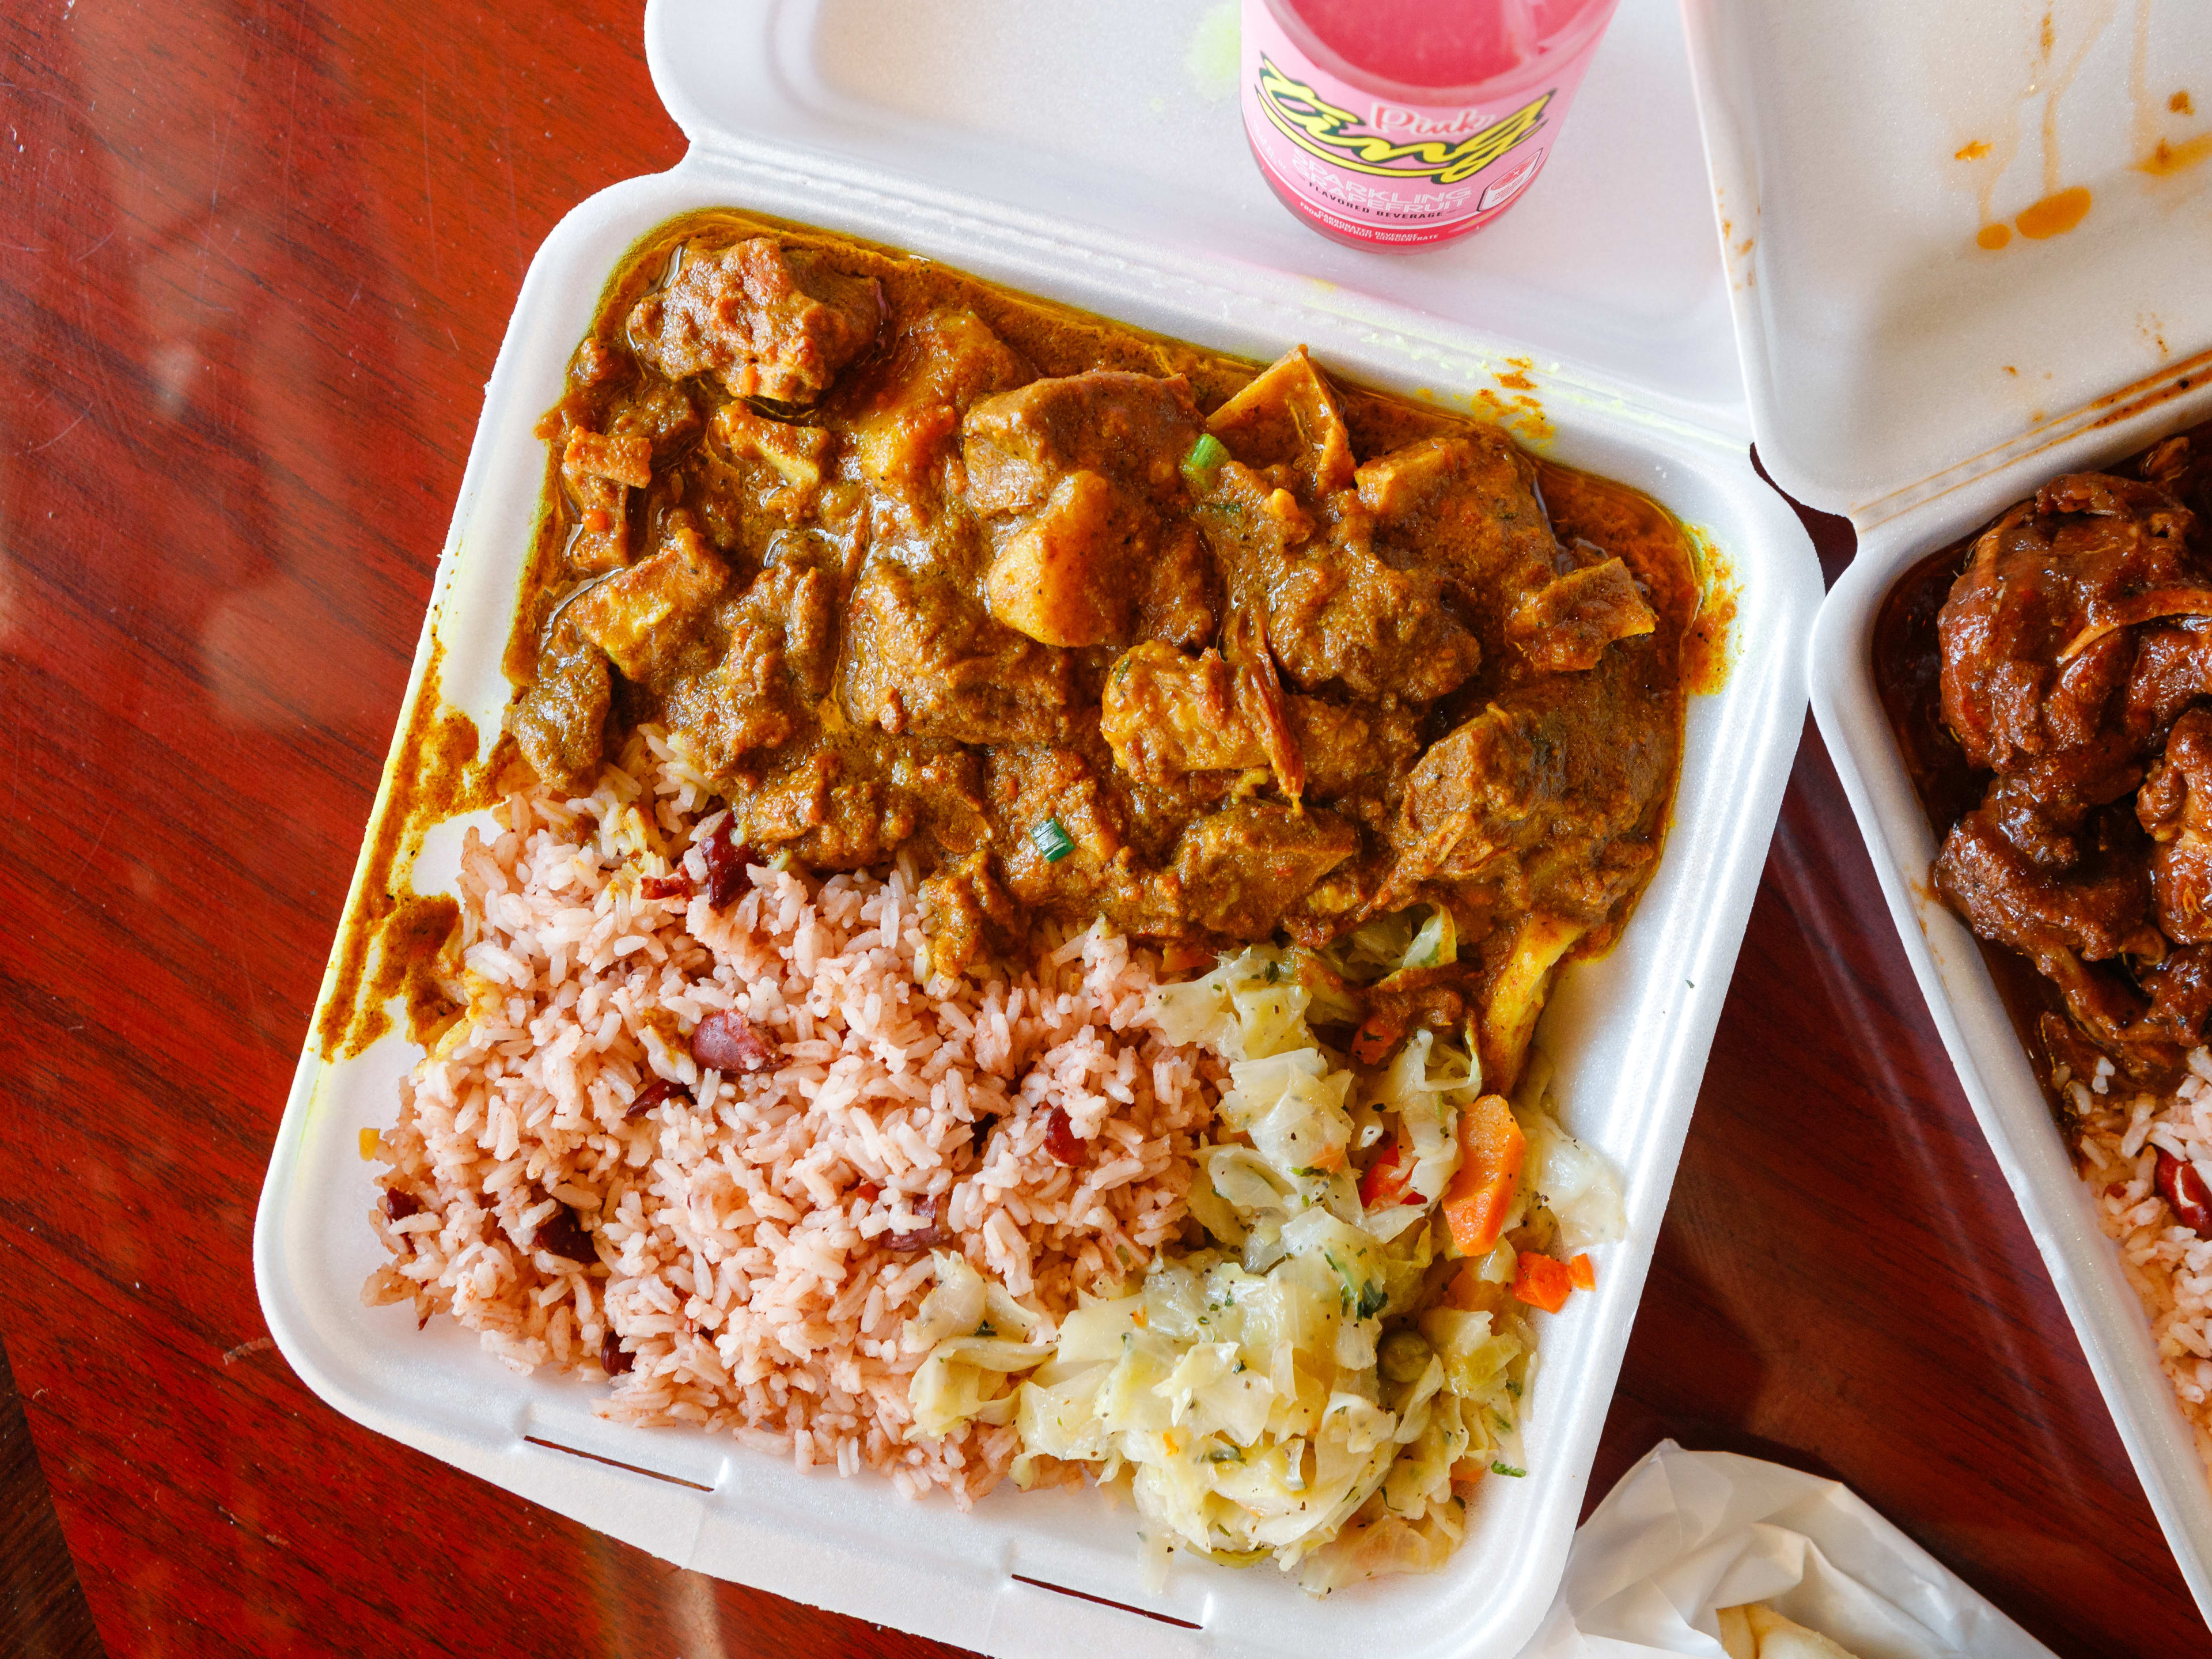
x=1094, y=155
x=1917, y=361
x=1863, y=152
x=1124, y=118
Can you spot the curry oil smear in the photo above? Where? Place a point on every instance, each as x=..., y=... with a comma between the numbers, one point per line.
x=436, y=776
x=1709, y=642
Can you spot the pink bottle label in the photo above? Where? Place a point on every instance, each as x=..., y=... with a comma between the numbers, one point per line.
x=1379, y=171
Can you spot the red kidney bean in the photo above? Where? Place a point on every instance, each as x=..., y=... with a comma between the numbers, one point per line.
x=658, y=1092
x=726, y=859
x=727, y=1042
x=1061, y=1140
x=614, y=1359
x=2184, y=1189
x=560, y=1234
x=399, y=1206
x=663, y=887
x=927, y=1236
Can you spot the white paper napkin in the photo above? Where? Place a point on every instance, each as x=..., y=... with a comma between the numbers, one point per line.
x=1686, y=1533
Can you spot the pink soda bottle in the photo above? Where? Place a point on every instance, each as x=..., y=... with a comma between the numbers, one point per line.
x=1400, y=124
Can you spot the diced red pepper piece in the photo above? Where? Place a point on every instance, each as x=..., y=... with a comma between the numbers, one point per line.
x=1061, y=1141
x=2180, y=1185
x=1389, y=1178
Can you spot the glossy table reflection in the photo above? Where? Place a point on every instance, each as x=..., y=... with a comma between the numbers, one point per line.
x=255, y=264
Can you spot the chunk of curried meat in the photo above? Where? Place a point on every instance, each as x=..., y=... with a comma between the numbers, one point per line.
x=1092, y=541
x=2175, y=809
x=847, y=800
x=1466, y=509
x=2033, y=636
x=559, y=722
x=1288, y=427
x=623, y=459
x=1547, y=796
x=1335, y=612
x=2042, y=806
x=1243, y=870
x=966, y=911
x=2172, y=668
x=1165, y=714
x=782, y=462
x=923, y=657
x=658, y=411
x=1061, y=835
x=647, y=617
x=767, y=321
x=594, y=470
x=1133, y=429
x=783, y=646
x=905, y=412
x=1565, y=625
x=1468, y=798
x=1356, y=747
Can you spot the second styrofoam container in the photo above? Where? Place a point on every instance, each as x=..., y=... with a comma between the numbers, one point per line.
x=795, y=110
x=1918, y=362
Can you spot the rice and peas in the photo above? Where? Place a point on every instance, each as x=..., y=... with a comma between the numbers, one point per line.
x=2148, y=1156
x=942, y=1230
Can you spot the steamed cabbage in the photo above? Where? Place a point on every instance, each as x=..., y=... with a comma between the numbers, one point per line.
x=1312, y=1386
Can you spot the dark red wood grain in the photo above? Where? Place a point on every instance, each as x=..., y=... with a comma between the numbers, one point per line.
x=255, y=260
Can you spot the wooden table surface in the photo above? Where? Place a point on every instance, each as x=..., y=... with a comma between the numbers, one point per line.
x=255, y=260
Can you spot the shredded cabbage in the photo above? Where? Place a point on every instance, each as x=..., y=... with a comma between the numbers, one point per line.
x=978, y=1336
x=1308, y=1388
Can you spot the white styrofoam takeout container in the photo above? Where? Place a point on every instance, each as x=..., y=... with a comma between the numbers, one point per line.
x=1902, y=374
x=1095, y=156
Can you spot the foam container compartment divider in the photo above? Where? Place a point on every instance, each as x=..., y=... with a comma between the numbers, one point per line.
x=790, y=105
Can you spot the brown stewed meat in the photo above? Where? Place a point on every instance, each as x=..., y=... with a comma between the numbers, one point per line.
x=2076, y=655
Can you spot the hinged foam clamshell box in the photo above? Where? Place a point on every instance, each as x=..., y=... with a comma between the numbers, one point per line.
x=1093, y=154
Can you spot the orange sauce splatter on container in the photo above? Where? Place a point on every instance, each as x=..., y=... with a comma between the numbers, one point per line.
x=2055, y=214
x=2179, y=104
x=1972, y=152
x=1994, y=236
x=2165, y=159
